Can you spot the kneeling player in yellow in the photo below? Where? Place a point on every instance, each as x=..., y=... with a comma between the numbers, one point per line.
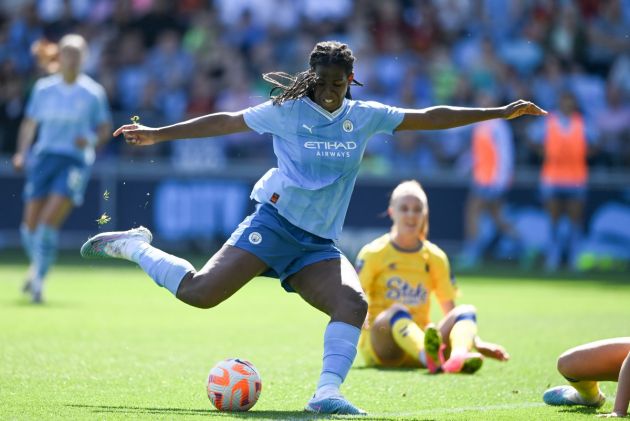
x=399, y=271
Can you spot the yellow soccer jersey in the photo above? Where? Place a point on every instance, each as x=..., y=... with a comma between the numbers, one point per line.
x=390, y=275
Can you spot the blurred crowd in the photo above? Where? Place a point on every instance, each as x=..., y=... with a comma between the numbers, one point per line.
x=170, y=60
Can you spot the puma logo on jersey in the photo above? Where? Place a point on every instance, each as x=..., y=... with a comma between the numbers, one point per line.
x=310, y=129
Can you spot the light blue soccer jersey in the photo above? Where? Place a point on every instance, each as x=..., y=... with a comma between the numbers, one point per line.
x=319, y=154
x=66, y=112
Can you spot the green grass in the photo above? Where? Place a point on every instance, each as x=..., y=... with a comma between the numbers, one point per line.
x=108, y=344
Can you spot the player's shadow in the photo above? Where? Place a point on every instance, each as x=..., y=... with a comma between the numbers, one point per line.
x=24, y=303
x=174, y=412
x=579, y=410
x=396, y=369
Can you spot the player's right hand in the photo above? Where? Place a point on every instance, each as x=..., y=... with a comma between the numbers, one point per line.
x=18, y=162
x=137, y=135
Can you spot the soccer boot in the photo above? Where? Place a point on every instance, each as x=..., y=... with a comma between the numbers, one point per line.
x=35, y=290
x=569, y=396
x=433, y=349
x=28, y=280
x=26, y=287
x=335, y=404
x=36, y=297
x=115, y=244
x=467, y=363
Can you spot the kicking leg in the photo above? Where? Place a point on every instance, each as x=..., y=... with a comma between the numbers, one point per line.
x=333, y=287
x=225, y=273
x=585, y=365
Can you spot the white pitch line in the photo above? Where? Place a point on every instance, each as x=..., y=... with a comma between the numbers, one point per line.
x=457, y=410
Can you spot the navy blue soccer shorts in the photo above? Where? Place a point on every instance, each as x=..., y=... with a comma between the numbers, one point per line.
x=285, y=248
x=560, y=192
x=48, y=174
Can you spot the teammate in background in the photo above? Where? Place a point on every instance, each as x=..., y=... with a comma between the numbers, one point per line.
x=563, y=139
x=399, y=271
x=493, y=166
x=69, y=112
x=585, y=365
x=319, y=135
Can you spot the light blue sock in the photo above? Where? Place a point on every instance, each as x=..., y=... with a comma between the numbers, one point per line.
x=27, y=240
x=44, y=251
x=165, y=269
x=340, y=348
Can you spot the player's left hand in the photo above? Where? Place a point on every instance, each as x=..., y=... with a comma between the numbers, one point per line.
x=610, y=415
x=490, y=350
x=81, y=142
x=521, y=107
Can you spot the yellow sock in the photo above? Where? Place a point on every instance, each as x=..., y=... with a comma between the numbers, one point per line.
x=588, y=389
x=408, y=335
x=462, y=336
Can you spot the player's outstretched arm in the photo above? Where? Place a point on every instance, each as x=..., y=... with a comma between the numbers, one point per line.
x=446, y=117
x=210, y=125
x=623, y=392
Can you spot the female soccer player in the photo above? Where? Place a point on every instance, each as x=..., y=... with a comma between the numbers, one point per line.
x=585, y=365
x=319, y=135
x=398, y=272
x=70, y=115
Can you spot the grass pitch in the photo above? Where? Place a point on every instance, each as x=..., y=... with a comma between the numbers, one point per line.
x=109, y=344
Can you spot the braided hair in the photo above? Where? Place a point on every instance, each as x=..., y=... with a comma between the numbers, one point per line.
x=302, y=84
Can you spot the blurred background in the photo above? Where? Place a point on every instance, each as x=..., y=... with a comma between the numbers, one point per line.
x=166, y=61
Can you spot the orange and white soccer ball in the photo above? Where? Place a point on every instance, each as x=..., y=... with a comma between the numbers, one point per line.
x=234, y=385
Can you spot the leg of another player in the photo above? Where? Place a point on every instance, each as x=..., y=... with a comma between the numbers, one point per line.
x=333, y=287
x=553, y=206
x=394, y=333
x=53, y=214
x=32, y=210
x=473, y=210
x=585, y=365
x=225, y=273
x=391, y=336
x=472, y=247
x=575, y=210
x=495, y=207
x=460, y=327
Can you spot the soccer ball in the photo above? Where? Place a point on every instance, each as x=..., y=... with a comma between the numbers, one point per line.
x=233, y=385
